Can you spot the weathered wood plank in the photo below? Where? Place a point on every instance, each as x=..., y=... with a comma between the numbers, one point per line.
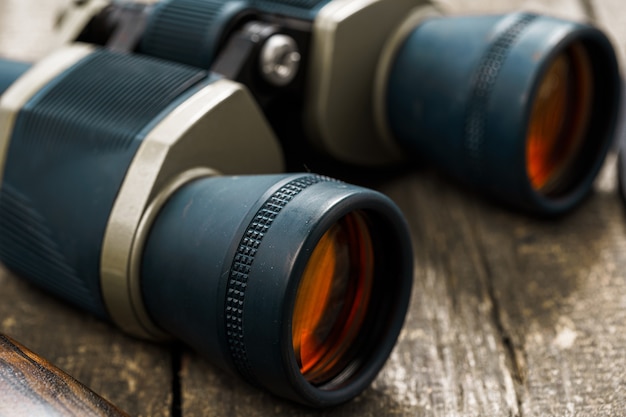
x=570, y=9
x=560, y=292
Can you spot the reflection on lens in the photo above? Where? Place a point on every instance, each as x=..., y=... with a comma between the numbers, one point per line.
x=332, y=299
x=559, y=119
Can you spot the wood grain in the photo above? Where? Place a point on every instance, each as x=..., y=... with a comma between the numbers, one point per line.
x=559, y=289
x=32, y=386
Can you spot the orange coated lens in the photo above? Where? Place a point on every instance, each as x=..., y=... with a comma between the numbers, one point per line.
x=332, y=299
x=559, y=119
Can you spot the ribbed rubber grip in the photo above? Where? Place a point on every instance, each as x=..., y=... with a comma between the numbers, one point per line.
x=35, y=253
x=188, y=31
x=301, y=9
x=486, y=76
x=70, y=148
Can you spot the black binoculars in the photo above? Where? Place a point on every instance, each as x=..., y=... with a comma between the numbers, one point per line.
x=520, y=107
x=140, y=166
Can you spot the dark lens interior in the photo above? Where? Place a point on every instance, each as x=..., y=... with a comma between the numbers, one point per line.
x=333, y=299
x=560, y=119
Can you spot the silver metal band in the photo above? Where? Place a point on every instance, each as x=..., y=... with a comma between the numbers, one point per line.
x=219, y=129
x=349, y=37
x=133, y=291
x=395, y=41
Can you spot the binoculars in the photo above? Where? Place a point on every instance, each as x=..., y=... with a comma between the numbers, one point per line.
x=520, y=107
x=140, y=166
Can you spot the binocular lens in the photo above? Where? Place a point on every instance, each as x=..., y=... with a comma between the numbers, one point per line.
x=559, y=119
x=308, y=280
x=333, y=298
x=521, y=107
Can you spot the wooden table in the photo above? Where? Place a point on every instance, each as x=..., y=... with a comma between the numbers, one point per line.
x=510, y=315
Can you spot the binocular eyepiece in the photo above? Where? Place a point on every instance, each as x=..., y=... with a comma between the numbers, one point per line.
x=537, y=119
x=111, y=198
x=313, y=284
x=521, y=107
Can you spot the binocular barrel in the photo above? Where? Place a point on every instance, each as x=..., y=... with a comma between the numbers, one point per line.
x=537, y=119
x=308, y=284
x=119, y=195
x=521, y=107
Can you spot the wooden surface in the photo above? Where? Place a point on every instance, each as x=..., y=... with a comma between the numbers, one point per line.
x=509, y=316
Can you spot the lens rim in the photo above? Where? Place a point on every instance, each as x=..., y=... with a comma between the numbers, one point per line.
x=601, y=125
x=354, y=274
x=342, y=387
x=577, y=99
x=278, y=266
x=471, y=119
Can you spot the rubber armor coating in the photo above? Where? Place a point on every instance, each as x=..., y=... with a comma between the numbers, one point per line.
x=69, y=152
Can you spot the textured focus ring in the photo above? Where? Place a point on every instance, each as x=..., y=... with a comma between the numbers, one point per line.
x=484, y=81
x=188, y=31
x=302, y=9
x=242, y=263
